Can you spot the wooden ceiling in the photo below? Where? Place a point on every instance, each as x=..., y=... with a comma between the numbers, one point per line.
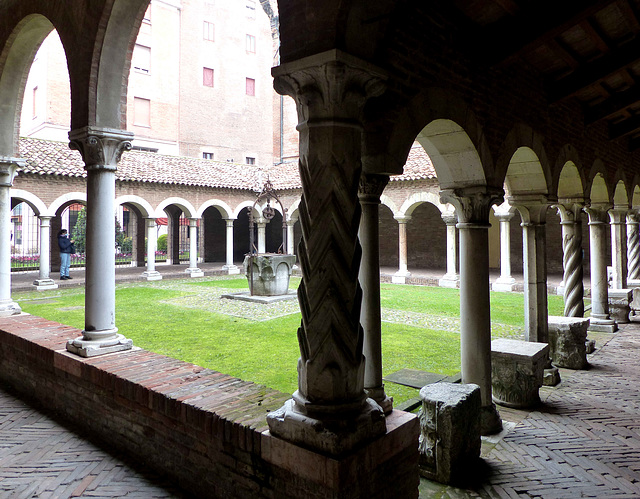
x=586, y=50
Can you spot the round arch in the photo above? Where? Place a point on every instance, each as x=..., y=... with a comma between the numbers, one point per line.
x=568, y=157
x=620, y=194
x=599, y=190
x=292, y=211
x=223, y=208
x=80, y=197
x=186, y=207
x=570, y=183
x=389, y=203
x=417, y=199
x=242, y=206
x=36, y=204
x=146, y=210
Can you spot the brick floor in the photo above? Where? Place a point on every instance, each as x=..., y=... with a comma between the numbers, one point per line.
x=41, y=458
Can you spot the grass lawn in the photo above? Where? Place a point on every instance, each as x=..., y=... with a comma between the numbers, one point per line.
x=187, y=320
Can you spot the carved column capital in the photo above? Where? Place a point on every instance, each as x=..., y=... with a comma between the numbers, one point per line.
x=598, y=213
x=618, y=214
x=473, y=203
x=569, y=212
x=449, y=218
x=8, y=169
x=532, y=209
x=371, y=187
x=331, y=85
x=633, y=218
x=101, y=148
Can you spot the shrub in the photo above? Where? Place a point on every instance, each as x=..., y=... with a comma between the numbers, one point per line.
x=162, y=243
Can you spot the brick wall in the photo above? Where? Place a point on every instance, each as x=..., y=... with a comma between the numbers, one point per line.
x=205, y=430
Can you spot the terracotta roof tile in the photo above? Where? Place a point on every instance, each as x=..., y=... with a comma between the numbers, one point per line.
x=46, y=157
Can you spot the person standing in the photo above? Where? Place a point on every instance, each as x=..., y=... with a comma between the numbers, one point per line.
x=66, y=248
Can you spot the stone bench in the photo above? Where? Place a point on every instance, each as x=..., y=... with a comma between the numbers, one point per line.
x=620, y=304
x=449, y=442
x=517, y=369
x=567, y=341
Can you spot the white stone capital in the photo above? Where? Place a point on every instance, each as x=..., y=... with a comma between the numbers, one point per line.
x=8, y=169
x=473, y=203
x=101, y=148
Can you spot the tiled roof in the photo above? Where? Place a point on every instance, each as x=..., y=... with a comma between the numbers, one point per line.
x=46, y=157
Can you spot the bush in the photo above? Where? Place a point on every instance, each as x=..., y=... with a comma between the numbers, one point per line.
x=162, y=243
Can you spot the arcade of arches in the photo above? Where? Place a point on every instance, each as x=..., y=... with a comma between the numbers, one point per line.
x=368, y=82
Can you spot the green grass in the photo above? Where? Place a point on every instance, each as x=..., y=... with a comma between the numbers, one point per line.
x=267, y=351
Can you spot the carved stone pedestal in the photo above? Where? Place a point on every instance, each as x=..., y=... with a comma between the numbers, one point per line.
x=517, y=369
x=42, y=284
x=449, y=441
x=567, y=337
x=91, y=345
x=271, y=273
x=620, y=304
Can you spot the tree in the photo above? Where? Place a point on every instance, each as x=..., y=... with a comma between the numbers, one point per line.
x=79, y=232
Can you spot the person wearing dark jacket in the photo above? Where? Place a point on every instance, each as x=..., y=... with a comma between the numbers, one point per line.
x=66, y=248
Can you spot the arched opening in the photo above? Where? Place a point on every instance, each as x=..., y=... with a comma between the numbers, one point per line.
x=426, y=238
x=24, y=237
x=215, y=246
x=388, y=230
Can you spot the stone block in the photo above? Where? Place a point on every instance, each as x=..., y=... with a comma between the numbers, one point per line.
x=590, y=346
x=517, y=370
x=449, y=441
x=620, y=304
x=567, y=337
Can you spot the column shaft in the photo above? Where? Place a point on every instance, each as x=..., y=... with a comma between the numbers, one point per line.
x=505, y=282
x=151, y=273
x=633, y=250
x=535, y=283
x=44, y=280
x=573, y=292
x=193, y=269
x=451, y=279
x=619, y=247
x=401, y=275
x=262, y=236
x=8, y=168
x=229, y=266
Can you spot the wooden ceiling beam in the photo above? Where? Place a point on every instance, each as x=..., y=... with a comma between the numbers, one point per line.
x=534, y=26
x=612, y=106
x=624, y=128
x=594, y=72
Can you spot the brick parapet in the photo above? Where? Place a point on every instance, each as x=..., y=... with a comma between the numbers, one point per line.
x=202, y=428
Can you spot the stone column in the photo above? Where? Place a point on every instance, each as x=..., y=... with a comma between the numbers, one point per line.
x=400, y=277
x=101, y=150
x=8, y=167
x=44, y=280
x=193, y=269
x=573, y=290
x=536, y=315
x=330, y=412
x=618, y=220
x=262, y=230
x=633, y=250
x=290, y=237
x=472, y=207
x=505, y=282
x=371, y=187
x=451, y=279
x=151, y=274
x=229, y=266
x=600, y=319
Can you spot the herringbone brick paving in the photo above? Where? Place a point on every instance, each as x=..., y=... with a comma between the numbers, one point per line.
x=41, y=458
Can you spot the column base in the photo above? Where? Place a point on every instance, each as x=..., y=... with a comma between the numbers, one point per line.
x=332, y=436
x=9, y=307
x=231, y=269
x=449, y=281
x=504, y=284
x=490, y=422
x=103, y=343
x=400, y=277
x=154, y=275
x=194, y=272
x=380, y=397
x=602, y=325
x=42, y=284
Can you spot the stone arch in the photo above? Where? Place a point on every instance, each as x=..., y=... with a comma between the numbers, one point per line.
x=107, y=85
x=389, y=203
x=620, y=194
x=184, y=205
x=36, y=204
x=242, y=206
x=223, y=208
x=292, y=212
x=563, y=182
x=598, y=188
x=523, y=163
x=449, y=131
x=80, y=197
x=571, y=182
x=635, y=193
x=418, y=198
x=146, y=210
x=15, y=60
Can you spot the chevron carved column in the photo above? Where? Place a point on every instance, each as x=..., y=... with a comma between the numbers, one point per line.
x=330, y=411
x=633, y=250
x=572, y=259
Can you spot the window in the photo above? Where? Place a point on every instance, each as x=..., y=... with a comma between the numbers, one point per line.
x=34, y=106
x=144, y=149
x=250, y=161
x=251, y=44
x=141, y=58
x=251, y=9
x=207, y=77
x=141, y=112
x=208, y=31
x=207, y=155
x=251, y=86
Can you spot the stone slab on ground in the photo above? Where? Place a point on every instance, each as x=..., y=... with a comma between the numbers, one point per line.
x=246, y=296
x=567, y=337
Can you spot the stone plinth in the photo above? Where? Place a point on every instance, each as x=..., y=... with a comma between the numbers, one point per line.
x=449, y=443
x=271, y=273
x=567, y=338
x=517, y=369
x=620, y=304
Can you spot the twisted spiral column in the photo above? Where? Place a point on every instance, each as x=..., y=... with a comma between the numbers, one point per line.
x=572, y=260
x=633, y=247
